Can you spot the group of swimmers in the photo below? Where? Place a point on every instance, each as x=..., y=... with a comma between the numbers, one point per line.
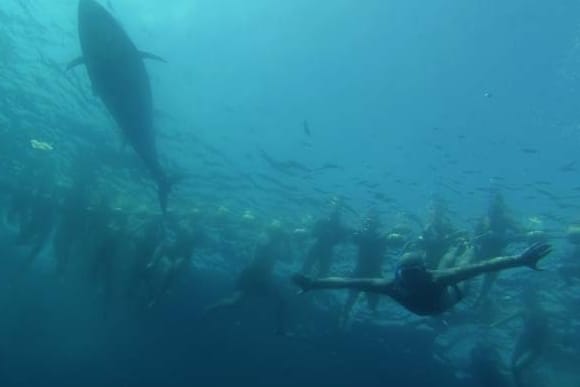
x=429, y=277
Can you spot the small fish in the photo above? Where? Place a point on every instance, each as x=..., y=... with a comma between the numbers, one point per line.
x=330, y=166
x=569, y=167
x=284, y=166
x=530, y=151
x=382, y=197
x=369, y=184
x=451, y=188
x=306, y=128
x=547, y=193
x=565, y=206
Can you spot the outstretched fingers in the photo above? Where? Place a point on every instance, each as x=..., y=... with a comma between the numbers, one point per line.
x=534, y=253
x=544, y=250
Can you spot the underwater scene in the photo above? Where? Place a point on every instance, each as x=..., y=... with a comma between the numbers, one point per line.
x=290, y=193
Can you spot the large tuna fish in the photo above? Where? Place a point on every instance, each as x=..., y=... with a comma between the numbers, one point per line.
x=118, y=75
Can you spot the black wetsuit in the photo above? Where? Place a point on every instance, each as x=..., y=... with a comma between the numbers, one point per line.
x=435, y=241
x=530, y=344
x=38, y=226
x=534, y=335
x=257, y=279
x=486, y=367
x=424, y=297
x=371, y=254
x=491, y=243
x=328, y=234
x=369, y=264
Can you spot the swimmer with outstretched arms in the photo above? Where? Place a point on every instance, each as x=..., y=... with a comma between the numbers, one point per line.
x=422, y=291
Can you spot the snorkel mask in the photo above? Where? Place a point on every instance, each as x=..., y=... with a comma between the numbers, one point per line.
x=411, y=271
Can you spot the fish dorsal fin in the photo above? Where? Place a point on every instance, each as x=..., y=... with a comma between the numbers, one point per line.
x=77, y=62
x=148, y=55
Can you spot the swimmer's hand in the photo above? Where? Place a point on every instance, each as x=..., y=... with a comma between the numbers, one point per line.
x=532, y=255
x=303, y=282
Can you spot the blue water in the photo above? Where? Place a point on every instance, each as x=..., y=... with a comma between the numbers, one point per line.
x=405, y=100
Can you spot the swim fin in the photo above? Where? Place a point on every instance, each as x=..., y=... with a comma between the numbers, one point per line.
x=164, y=187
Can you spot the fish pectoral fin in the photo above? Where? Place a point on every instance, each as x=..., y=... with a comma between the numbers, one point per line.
x=148, y=55
x=77, y=62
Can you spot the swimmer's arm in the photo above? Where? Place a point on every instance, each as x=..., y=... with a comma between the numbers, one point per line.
x=529, y=257
x=371, y=285
x=455, y=275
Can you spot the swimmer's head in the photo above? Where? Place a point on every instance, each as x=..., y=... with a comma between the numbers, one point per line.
x=275, y=225
x=222, y=210
x=221, y=214
x=411, y=269
x=412, y=259
x=396, y=239
x=335, y=206
x=275, y=229
x=248, y=217
x=334, y=202
x=573, y=234
x=536, y=236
